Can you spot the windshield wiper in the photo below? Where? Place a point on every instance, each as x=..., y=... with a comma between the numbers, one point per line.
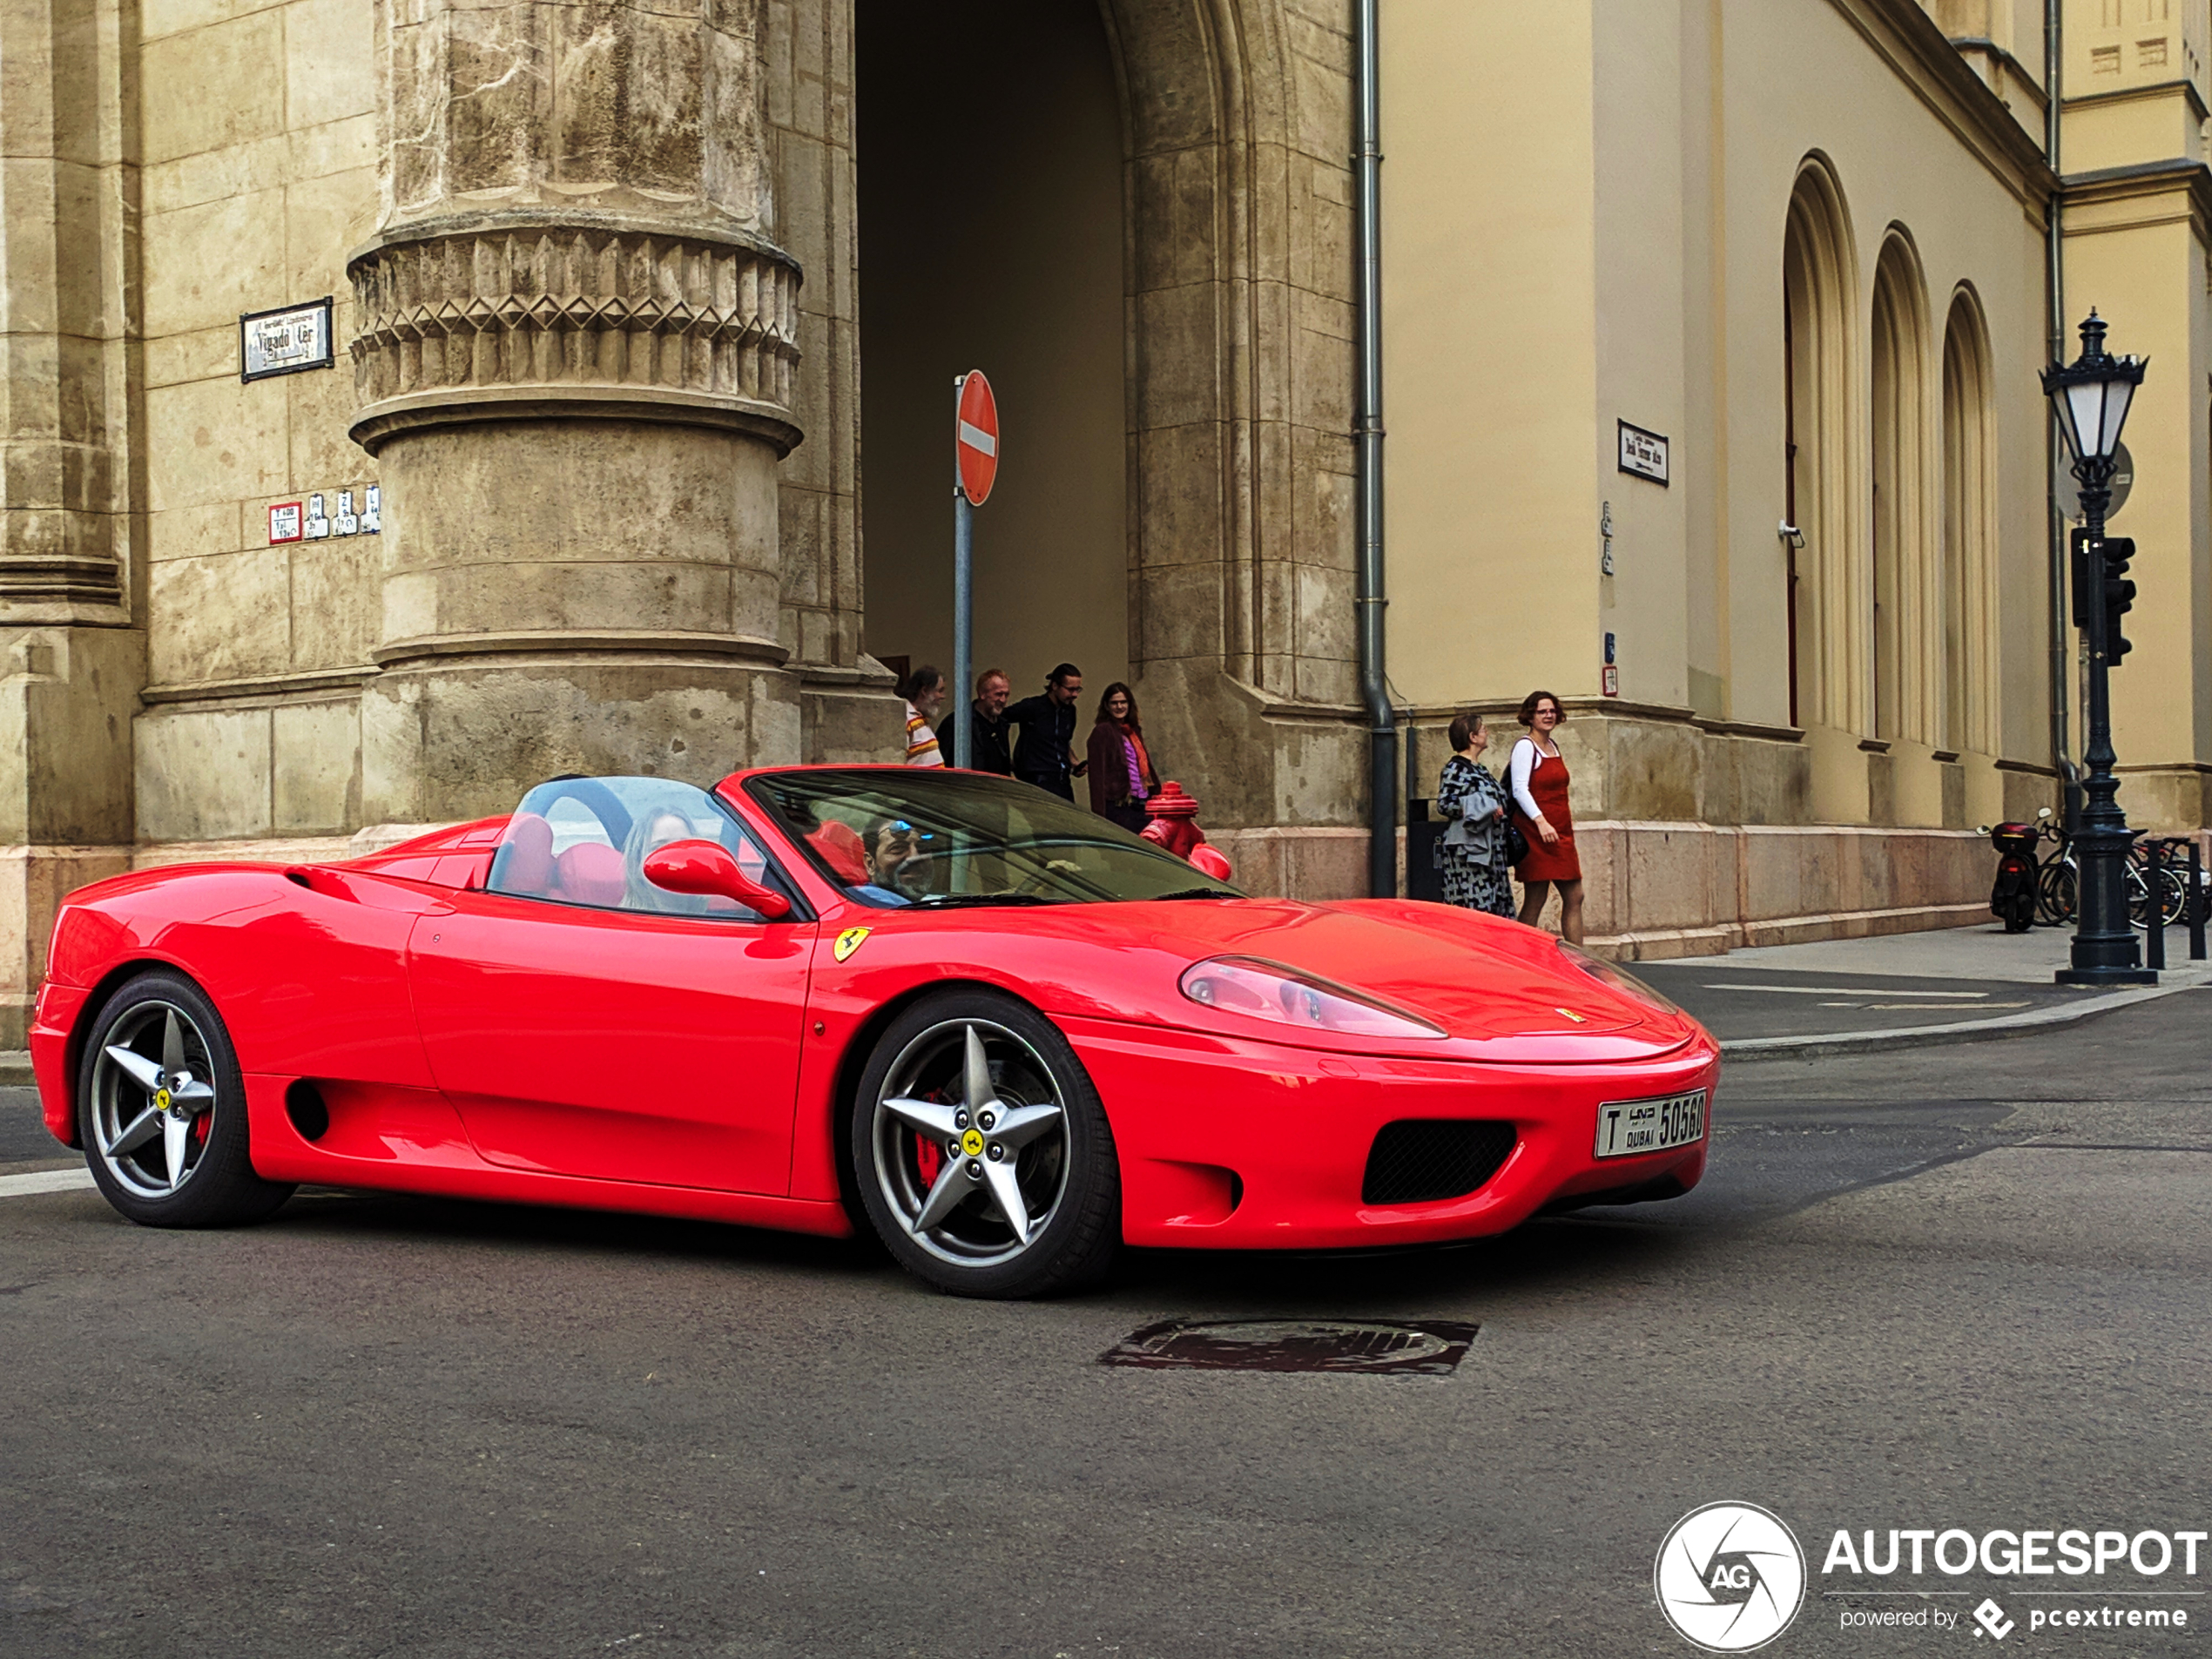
x=1188, y=893
x=949, y=900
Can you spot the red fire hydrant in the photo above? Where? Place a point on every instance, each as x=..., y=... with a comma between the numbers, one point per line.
x=1174, y=826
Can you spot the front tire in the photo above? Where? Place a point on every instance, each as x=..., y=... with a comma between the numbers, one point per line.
x=982, y=1153
x=161, y=1108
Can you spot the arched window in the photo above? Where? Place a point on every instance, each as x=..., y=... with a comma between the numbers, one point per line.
x=1904, y=661
x=1968, y=586
x=1818, y=299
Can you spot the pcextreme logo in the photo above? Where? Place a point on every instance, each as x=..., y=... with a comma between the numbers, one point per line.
x=1729, y=1577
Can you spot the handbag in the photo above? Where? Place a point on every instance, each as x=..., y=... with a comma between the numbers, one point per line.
x=1516, y=843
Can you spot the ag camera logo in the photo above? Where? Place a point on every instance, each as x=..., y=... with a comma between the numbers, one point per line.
x=1729, y=1577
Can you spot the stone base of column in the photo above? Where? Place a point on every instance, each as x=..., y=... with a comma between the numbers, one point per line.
x=33, y=882
x=465, y=737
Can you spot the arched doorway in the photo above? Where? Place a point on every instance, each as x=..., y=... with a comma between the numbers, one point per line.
x=991, y=232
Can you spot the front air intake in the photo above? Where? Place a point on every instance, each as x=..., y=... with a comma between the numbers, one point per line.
x=1423, y=1160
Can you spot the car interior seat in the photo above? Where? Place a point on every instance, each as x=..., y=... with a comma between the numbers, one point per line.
x=525, y=861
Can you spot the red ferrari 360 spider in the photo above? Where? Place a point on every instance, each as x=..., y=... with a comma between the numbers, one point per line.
x=1000, y=1031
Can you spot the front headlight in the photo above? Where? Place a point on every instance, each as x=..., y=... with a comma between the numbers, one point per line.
x=1280, y=995
x=1606, y=973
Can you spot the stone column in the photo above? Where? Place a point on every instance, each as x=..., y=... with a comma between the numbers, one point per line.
x=71, y=656
x=575, y=356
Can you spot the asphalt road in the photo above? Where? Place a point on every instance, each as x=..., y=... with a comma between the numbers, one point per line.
x=1733, y=1001
x=1953, y=1286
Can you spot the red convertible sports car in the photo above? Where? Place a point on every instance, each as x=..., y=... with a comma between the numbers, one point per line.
x=1001, y=1032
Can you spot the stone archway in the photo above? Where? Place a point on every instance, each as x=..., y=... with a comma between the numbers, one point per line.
x=1237, y=338
x=1240, y=303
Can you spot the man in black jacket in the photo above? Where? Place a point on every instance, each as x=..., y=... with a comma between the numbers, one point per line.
x=988, y=725
x=1044, y=756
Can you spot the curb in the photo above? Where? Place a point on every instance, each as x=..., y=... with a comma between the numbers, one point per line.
x=1921, y=1036
x=15, y=1068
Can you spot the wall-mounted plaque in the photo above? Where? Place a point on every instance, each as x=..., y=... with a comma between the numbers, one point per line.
x=1644, y=454
x=285, y=341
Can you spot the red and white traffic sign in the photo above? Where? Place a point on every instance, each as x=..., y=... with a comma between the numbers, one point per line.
x=975, y=438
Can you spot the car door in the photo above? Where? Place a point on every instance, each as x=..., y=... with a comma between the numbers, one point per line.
x=615, y=1043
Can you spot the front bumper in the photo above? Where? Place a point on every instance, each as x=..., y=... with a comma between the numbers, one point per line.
x=1231, y=1144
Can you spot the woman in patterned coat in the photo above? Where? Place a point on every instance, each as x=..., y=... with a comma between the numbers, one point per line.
x=1473, y=852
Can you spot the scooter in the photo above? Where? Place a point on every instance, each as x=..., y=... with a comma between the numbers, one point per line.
x=2012, y=896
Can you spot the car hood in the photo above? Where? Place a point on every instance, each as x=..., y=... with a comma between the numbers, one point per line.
x=1485, y=980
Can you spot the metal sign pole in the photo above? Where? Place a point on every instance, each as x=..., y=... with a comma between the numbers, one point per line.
x=964, y=643
x=963, y=604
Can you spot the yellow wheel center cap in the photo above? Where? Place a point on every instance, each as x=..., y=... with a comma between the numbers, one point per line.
x=972, y=1143
x=161, y=1100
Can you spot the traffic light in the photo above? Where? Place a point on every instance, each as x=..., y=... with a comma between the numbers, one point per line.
x=2119, y=594
x=2085, y=588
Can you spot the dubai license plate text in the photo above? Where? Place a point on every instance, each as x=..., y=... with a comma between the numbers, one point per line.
x=1626, y=1128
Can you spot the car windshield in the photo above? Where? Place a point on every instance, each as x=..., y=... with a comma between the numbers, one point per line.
x=893, y=837
x=585, y=841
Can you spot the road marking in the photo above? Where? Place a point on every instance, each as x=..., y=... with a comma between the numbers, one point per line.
x=1837, y=990
x=22, y=1186
x=1926, y=1007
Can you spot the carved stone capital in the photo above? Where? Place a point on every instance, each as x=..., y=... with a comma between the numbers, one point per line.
x=506, y=321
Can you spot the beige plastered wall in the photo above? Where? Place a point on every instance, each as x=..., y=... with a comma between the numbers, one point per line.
x=1585, y=215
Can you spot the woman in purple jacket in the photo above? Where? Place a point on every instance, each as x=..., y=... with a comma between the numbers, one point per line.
x=1122, y=778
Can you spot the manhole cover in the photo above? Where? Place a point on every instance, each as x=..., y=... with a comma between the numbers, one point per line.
x=1420, y=1347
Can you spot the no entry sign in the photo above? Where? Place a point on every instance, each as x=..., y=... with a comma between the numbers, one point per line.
x=976, y=438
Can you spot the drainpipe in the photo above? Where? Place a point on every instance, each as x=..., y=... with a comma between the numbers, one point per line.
x=2054, y=459
x=1368, y=440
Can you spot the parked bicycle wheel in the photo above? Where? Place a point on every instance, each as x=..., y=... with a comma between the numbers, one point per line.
x=2057, y=894
x=2172, y=896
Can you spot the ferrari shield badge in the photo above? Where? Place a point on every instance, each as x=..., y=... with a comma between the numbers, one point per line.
x=850, y=941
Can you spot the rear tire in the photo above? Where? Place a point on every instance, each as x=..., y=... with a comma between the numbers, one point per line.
x=973, y=1106
x=161, y=1107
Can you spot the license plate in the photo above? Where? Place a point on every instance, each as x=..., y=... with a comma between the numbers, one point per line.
x=1628, y=1128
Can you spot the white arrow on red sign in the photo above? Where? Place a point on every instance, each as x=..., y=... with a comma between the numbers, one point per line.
x=976, y=438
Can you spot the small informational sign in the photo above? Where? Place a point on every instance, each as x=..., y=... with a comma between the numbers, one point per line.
x=318, y=522
x=1609, y=680
x=287, y=341
x=285, y=524
x=2124, y=481
x=1644, y=454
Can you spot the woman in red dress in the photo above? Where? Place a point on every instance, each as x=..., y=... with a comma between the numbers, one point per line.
x=1538, y=781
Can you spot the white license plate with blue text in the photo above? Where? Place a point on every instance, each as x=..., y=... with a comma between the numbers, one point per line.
x=1627, y=1127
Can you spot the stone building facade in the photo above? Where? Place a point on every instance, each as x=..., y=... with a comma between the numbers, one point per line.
x=644, y=311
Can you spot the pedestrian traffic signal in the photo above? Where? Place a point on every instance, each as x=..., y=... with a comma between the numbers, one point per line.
x=2119, y=594
x=2086, y=592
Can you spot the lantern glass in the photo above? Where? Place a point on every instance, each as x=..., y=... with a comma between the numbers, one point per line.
x=2119, y=394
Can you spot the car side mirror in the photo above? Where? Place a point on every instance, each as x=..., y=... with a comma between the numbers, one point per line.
x=705, y=868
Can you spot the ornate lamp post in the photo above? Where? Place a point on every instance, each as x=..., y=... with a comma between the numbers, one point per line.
x=2091, y=395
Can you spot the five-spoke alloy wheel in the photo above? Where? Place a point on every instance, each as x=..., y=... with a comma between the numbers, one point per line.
x=162, y=1110
x=982, y=1153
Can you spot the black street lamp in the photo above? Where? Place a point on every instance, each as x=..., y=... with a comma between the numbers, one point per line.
x=2091, y=395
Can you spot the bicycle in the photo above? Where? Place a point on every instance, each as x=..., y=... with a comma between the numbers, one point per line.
x=2058, y=884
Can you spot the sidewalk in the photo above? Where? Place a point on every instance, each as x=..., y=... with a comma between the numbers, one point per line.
x=1955, y=984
